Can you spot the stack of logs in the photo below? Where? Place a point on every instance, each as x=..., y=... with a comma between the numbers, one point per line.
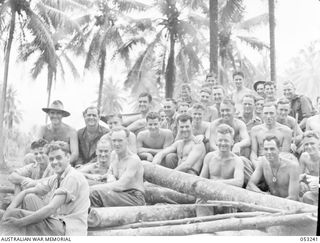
x=264, y=213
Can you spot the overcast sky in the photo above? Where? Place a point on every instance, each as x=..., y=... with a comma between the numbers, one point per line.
x=298, y=23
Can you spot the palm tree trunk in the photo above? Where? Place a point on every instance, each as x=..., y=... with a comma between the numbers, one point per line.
x=5, y=83
x=170, y=69
x=101, y=73
x=49, y=89
x=214, y=37
x=272, y=41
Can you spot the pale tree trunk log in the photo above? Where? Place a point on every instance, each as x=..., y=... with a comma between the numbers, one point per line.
x=156, y=194
x=213, y=190
x=114, y=216
x=217, y=226
x=272, y=25
x=189, y=220
x=214, y=37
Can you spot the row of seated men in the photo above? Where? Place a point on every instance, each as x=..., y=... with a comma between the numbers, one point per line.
x=218, y=149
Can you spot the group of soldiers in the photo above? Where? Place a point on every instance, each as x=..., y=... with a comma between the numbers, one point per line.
x=248, y=138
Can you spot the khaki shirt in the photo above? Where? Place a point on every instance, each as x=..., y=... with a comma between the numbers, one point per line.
x=74, y=212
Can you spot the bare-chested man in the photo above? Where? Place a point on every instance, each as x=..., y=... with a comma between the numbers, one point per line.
x=259, y=104
x=280, y=174
x=155, y=139
x=270, y=91
x=114, y=121
x=241, y=136
x=210, y=112
x=138, y=123
x=309, y=163
x=59, y=131
x=223, y=165
x=269, y=127
x=190, y=153
x=126, y=188
x=218, y=94
x=241, y=90
x=96, y=172
x=313, y=123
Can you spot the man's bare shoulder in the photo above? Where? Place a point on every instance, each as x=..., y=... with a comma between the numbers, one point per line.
x=283, y=128
x=257, y=128
x=239, y=122
x=143, y=134
x=165, y=132
x=216, y=122
x=212, y=155
x=290, y=164
x=304, y=157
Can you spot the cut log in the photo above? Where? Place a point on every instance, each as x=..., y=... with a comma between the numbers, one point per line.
x=114, y=216
x=189, y=220
x=214, y=190
x=215, y=226
x=156, y=194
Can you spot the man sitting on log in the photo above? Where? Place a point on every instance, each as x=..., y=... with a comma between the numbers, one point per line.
x=190, y=153
x=67, y=211
x=241, y=136
x=280, y=174
x=30, y=174
x=96, y=172
x=124, y=186
x=269, y=127
x=114, y=121
x=309, y=162
x=155, y=139
x=223, y=165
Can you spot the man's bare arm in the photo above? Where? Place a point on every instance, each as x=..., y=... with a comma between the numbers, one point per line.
x=168, y=139
x=136, y=125
x=255, y=178
x=205, y=168
x=286, y=144
x=293, y=190
x=238, y=176
x=74, y=147
x=210, y=134
x=162, y=154
x=133, y=143
x=254, y=147
x=244, y=135
x=194, y=156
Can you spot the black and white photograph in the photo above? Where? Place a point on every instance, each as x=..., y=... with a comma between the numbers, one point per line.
x=196, y=118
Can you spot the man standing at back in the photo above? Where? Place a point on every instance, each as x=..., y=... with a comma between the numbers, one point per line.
x=301, y=106
x=59, y=131
x=126, y=188
x=90, y=135
x=241, y=90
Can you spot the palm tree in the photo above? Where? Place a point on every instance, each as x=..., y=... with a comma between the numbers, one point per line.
x=272, y=25
x=12, y=114
x=9, y=10
x=214, y=36
x=107, y=31
x=176, y=45
x=56, y=17
x=112, y=98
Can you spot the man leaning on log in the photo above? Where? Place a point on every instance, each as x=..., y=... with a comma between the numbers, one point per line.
x=124, y=186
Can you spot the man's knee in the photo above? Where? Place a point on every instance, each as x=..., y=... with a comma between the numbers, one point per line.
x=170, y=161
x=14, y=213
x=310, y=198
x=32, y=202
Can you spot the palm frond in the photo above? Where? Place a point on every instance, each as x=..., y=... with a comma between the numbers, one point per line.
x=125, y=48
x=38, y=66
x=185, y=28
x=26, y=50
x=71, y=65
x=135, y=73
x=198, y=20
x=253, y=42
x=129, y=5
x=69, y=4
x=254, y=22
x=93, y=49
x=196, y=4
x=61, y=68
x=231, y=11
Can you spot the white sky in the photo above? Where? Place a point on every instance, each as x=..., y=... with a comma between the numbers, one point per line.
x=298, y=23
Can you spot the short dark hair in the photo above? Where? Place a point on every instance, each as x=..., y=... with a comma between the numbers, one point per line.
x=206, y=90
x=218, y=87
x=146, y=94
x=117, y=115
x=211, y=74
x=56, y=145
x=270, y=83
x=119, y=129
x=198, y=106
x=272, y=138
x=225, y=129
x=184, y=118
x=283, y=101
x=311, y=134
x=258, y=98
x=171, y=100
x=289, y=82
x=40, y=143
x=153, y=115
x=238, y=73
x=186, y=86
x=249, y=96
x=183, y=103
x=270, y=104
x=91, y=107
x=228, y=101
